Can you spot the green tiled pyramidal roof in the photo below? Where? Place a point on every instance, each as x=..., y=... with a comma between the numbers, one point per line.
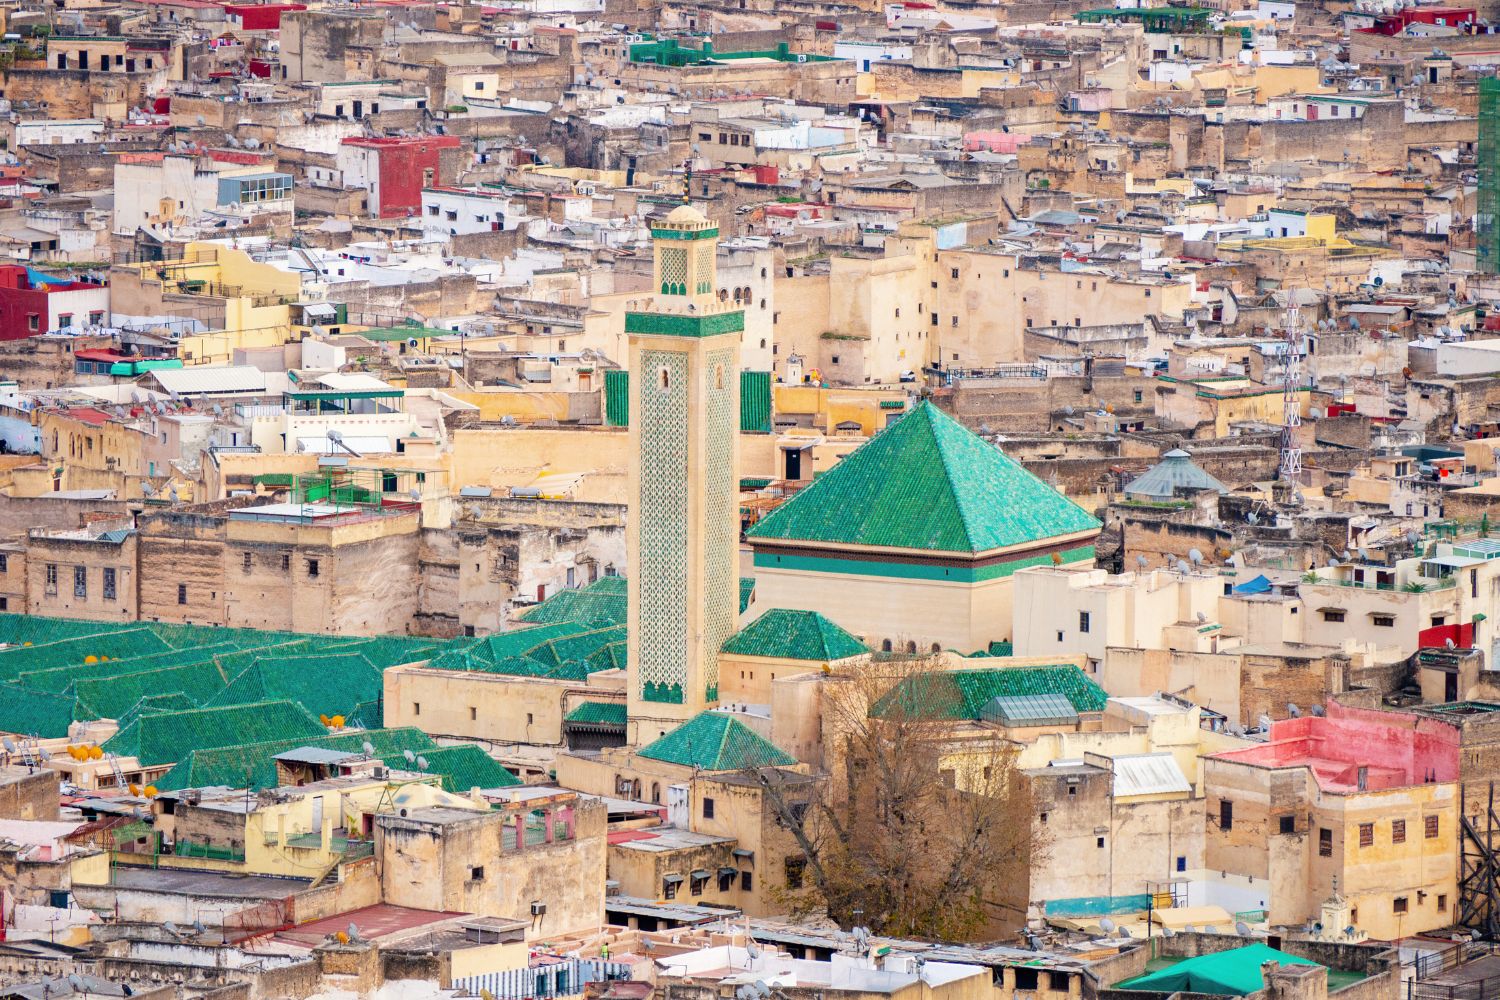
x=928, y=483
x=713, y=741
x=598, y=713
x=168, y=737
x=326, y=685
x=794, y=635
x=964, y=694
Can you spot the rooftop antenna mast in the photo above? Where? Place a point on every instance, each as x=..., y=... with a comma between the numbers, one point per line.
x=1290, y=471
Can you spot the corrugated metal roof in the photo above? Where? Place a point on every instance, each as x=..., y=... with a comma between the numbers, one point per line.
x=1148, y=774
x=211, y=379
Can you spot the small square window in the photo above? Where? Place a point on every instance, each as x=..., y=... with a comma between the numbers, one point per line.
x=1325, y=843
x=182, y=593
x=1099, y=842
x=312, y=567
x=708, y=808
x=1398, y=831
x=746, y=881
x=416, y=708
x=1442, y=902
x=1083, y=621
x=1287, y=824
x=1366, y=834
x=1398, y=905
x=1429, y=827
x=476, y=874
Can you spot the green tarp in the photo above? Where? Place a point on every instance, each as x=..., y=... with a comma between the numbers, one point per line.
x=1228, y=973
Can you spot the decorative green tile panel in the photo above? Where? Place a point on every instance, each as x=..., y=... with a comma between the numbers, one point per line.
x=672, y=325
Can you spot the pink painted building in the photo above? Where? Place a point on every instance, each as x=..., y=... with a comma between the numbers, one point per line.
x=1362, y=800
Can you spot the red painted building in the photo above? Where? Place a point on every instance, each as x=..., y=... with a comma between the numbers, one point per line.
x=258, y=17
x=31, y=304
x=394, y=170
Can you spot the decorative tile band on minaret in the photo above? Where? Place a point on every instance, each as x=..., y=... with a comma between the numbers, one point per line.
x=683, y=582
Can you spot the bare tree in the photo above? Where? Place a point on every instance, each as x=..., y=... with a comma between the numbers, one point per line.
x=923, y=825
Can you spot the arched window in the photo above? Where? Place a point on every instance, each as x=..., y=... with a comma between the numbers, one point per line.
x=937, y=647
x=656, y=792
x=885, y=646
x=911, y=645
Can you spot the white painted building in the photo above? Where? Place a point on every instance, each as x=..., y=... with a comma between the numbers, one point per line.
x=55, y=132
x=455, y=212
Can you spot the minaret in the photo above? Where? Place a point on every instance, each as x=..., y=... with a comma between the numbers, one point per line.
x=683, y=532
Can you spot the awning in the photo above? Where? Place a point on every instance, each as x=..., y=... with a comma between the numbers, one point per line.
x=1452, y=562
x=701, y=873
x=319, y=309
x=1337, y=611
x=740, y=852
x=672, y=879
x=726, y=870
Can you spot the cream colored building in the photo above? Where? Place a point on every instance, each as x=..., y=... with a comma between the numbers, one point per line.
x=911, y=541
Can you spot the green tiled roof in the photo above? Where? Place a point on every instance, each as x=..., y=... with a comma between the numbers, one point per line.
x=254, y=764
x=964, y=694
x=926, y=483
x=154, y=704
x=602, y=601
x=35, y=713
x=76, y=648
x=324, y=685
x=464, y=767
x=598, y=713
x=112, y=697
x=794, y=635
x=169, y=737
x=713, y=741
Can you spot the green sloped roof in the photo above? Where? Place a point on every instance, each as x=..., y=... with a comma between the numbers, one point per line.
x=112, y=697
x=794, y=635
x=580, y=645
x=324, y=685
x=598, y=713
x=926, y=482
x=77, y=648
x=35, y=713
x=713, y=741
x=156, y=703
x=603, y=601
x=963, y=694
x=169, y=737
x=18, y=629
x=747, y=590
x=1235, y=972
x=237, y=765
x=463, y=767
x=59, y=678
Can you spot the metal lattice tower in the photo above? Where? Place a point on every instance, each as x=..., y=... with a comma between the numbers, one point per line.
x=1486, y=228
x=1290, y=471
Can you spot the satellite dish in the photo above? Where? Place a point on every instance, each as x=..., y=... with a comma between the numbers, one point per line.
x=1293, y=711
x=416, y=494
x=1202, y=618
x=171, y=928
x=368, y=748
x=1190, y=929
x=1449, y=643
x=1265, y=722
x=1195, y=556
x=1241, y=928
x=411, y=758
x=44, y=753
x=353, y=931
x=1252, y=518
x=751, y=950
x=1168, y=932
x=10, y=744
x=1317, y=711
x=1183, y=567
x=1107, y=925
x=1140, y=561
x=1124, y=932
x=422, y=763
